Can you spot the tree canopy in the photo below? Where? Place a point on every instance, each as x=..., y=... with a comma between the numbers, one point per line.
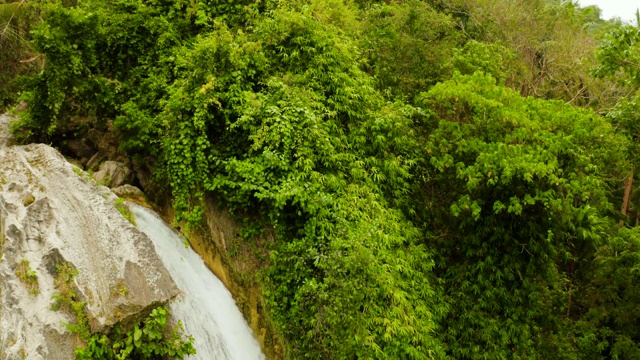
x=444, y=177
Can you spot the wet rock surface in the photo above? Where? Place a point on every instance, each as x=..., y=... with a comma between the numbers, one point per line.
x=51, y=214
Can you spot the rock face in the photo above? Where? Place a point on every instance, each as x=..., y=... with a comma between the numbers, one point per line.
x=50, y=215
x=128, y=191
x=113, y=174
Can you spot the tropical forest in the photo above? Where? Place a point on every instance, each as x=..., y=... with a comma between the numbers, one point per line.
x=412, y=179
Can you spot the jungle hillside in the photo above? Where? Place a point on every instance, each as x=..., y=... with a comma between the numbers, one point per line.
x=445, y=179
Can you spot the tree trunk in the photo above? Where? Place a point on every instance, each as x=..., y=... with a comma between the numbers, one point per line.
x=627, y=195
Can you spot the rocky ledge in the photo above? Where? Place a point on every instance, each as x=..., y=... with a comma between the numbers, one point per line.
x=52, y=214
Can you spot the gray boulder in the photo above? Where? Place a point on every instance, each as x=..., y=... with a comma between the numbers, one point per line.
x=113, y=174
x=128, y=191
x=94, y=162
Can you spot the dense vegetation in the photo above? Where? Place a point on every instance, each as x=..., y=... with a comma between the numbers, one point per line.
x=16, y=53
x=444, y=176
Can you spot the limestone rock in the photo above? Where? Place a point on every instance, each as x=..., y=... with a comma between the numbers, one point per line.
x=50, y=215
x=113, y=174
x=129, y=192
x=5, y=136
x=94, y=162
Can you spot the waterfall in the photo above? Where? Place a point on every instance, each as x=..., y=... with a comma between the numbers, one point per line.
x=205, y=306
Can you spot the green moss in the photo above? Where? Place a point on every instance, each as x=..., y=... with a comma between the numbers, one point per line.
x=78, y=171
x=123, y=208
x=84, y=175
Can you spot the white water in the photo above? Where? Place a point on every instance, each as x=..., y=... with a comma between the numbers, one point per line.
x=205, y=307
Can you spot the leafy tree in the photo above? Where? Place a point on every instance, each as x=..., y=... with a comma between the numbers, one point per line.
x=609, y=302
x=510, y=198
x=620, y=55
x=554, y=43
x=408, y=44
x=490, y=58
x=618, y=58
x=361, y=285
x=16, y=56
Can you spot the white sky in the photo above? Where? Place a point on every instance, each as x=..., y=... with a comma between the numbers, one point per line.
x=624, y=9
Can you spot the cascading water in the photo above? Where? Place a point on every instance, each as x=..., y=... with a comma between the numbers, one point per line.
x=205, y=306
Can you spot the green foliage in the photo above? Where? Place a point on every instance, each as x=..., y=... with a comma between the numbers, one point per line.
x=27, y=276
x=239, y=134
x=611, y=295
x=619, y=55
x=490, y=58
x=67, y=40
x=518, y=181
x=96, y=52
x=553, y=43
x=472, y=223
x=66, y=299
x=408, y=45
x=16, y=54
x=147, y=339
x=618, y=59
x=124, y=210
